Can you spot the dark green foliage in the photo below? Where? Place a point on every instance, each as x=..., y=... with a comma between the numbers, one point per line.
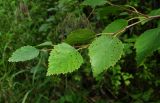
x=110, y=55
x=94, y=3
x=80, y=36
x=147, y=43
x=115, y=26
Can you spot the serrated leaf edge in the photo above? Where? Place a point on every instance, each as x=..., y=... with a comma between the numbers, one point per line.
x=66, y=72
x=21, y=60
x=112, y=64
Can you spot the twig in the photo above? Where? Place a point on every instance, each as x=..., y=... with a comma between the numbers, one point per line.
x=122, y=30
x=91, y=13
x=133, y=8
x=82, y=47
x=149, y=18
x=121, y=7
x=104, y=34
x=135, y=18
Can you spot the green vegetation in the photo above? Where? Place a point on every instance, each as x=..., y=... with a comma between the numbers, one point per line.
x=79, y=51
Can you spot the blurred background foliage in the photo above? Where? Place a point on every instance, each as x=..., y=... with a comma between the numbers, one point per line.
x=31, y=22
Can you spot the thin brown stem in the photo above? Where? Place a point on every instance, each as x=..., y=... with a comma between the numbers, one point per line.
x=82, y=47
x=127, y=27
x=121, y=7
x=91, y=13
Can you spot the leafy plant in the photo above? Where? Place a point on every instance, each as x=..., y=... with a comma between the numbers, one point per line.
x=104, y=51
x=115, y=41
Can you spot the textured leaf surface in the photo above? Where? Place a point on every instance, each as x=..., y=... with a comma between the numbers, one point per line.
x=148, y=42
x=94, y=3
x=104, y=52
x=80, y=36
x=24, y=53
x=64, y=59
x=116, y=26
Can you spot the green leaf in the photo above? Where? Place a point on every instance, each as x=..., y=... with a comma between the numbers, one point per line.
x=44, y=27
x=148, y=42
x=94, y=3
x=116, y=26
x=64, y=59
x=152, y=13
x=47, y=43
x=103, y=12
x=79, y=36
x=104, y=52
x=24, y=53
